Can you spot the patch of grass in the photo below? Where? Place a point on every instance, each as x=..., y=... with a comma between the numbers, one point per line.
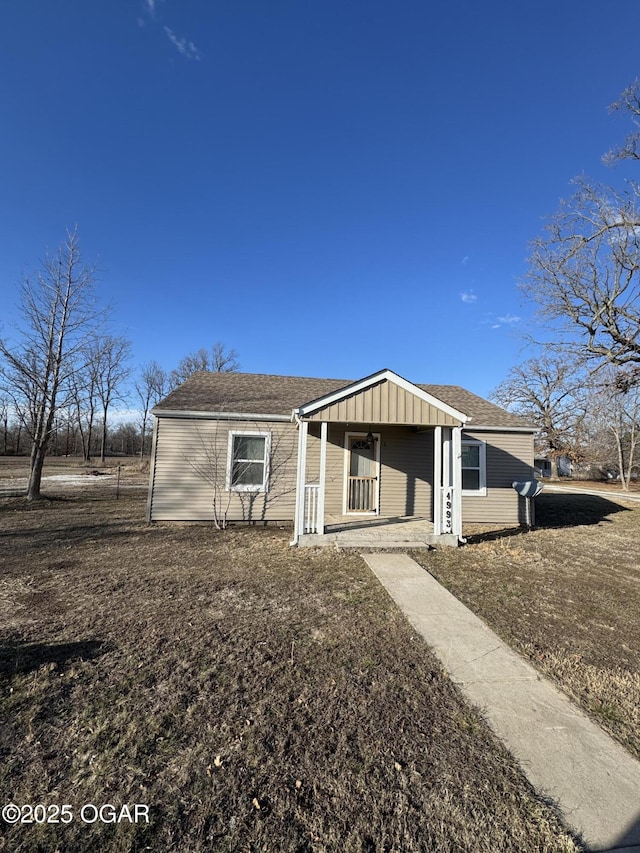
x=256, y=697
x=566, y=595
x=614, y=486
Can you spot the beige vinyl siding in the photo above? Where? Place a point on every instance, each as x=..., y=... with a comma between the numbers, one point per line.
x=509, y=458
x=406, y=473
x=384, y=403
x=191, y=455
x=406, y=469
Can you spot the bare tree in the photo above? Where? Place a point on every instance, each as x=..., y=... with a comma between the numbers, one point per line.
x=59, y=317
x=549, y=393
x=110, y=363
x=584, y=274
x=4, y=421
x=218, y=359
x=126, y=438
x=615, y=414
x=83, y=399
x=584, y=271
x=151, y=386
x=69, y=423
x=209, y=464
x=223, y=360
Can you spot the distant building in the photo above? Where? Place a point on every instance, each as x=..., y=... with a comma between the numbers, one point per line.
x=542, y=466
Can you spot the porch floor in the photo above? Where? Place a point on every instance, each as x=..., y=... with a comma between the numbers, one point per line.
x=372, y=532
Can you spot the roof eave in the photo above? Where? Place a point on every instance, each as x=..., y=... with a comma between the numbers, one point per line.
x=219, y=416
x=494, y=428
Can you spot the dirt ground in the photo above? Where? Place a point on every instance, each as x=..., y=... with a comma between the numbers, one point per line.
x=255, y=697
x=63, y=473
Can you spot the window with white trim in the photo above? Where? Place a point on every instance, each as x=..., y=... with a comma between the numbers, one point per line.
x=474, y=467
x=248, y=461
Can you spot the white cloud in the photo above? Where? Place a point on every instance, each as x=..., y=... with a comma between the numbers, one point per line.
x=187, y=48
x=183, y=45
x=506, y=320
x=468, y=296
x=465, y=260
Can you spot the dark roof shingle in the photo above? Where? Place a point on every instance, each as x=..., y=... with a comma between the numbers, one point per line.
x=266, y=394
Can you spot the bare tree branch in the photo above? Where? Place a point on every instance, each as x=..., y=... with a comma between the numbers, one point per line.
x=150, y=387
x=628, y=101
x=218, y=360
x=584, y=274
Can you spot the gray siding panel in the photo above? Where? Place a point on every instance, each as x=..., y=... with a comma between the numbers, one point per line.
x=509, y=458
x=191, y=466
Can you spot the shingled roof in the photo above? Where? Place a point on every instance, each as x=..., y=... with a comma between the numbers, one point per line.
x=266, y=394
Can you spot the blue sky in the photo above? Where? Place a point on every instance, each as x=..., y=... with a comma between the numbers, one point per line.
x=328, y=187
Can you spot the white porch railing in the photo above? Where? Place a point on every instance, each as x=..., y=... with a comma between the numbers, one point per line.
x=447, y=502
x=361, y=494
x=311, y=495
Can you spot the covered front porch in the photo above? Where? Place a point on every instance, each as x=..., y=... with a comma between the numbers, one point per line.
x=401, y=533
x=379, y=465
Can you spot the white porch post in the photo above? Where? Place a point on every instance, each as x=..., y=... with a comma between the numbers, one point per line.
x=298, y=528
x=324, y=427
x=457, y=480
x=437, y=480
x=446, y=457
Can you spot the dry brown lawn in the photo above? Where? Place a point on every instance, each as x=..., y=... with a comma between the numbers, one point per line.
x=256, y=697
x=612, y=486
x=567, y=596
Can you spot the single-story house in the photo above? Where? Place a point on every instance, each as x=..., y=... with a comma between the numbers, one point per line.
x=248, y=447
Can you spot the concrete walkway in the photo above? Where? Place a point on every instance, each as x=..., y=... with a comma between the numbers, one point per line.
x=565, y=756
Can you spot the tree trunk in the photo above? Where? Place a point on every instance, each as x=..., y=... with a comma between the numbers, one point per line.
x=103, y=440
x=623, y=482
x=87, y=446
x=38, y=453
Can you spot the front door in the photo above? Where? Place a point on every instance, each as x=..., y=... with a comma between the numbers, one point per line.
x=362, y=472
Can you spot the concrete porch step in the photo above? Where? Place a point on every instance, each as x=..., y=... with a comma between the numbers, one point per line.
x=375, y=541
